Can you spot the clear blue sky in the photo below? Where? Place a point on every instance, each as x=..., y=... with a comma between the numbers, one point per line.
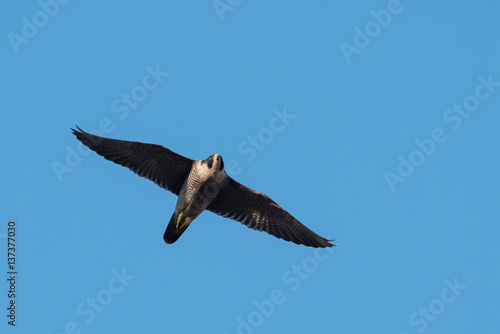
x=389, y=146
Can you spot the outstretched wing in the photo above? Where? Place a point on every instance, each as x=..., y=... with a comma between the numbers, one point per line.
x=259, y=212
x=154, y=162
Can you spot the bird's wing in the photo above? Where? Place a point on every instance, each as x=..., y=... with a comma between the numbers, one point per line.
x=259, y=212
x=154, y=162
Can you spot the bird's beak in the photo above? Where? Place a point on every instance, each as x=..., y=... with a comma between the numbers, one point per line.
x=181, y=221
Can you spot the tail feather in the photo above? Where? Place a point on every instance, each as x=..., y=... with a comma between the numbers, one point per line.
x=172, y=233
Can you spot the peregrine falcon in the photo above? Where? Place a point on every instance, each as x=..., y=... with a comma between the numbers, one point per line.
x=201, y=185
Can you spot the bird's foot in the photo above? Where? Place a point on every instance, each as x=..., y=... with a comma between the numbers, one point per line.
x=182, y=220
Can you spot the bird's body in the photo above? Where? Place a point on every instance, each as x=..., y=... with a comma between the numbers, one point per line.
x=202, y=185
x=199, y=189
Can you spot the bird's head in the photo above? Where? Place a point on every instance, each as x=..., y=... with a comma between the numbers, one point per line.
x=214, y=161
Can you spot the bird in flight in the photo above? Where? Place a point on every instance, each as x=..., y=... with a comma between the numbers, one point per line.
x=201, y=185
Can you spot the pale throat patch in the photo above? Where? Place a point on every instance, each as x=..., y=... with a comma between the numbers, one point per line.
x=204, y=173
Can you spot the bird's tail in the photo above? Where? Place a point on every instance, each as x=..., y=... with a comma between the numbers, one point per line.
x=172, y=233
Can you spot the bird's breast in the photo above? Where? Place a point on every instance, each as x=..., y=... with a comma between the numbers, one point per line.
x=200, y=188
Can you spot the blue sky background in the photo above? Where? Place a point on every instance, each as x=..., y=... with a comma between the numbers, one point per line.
x=355, y=118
